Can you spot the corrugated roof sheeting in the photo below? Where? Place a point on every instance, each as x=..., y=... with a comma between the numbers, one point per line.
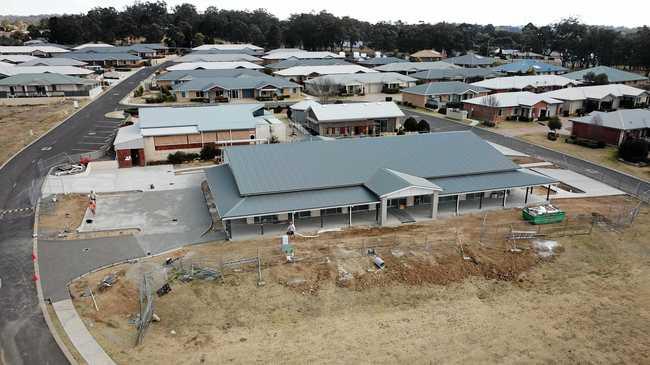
x=491, y=181
x=306, y=166
x=386, y=181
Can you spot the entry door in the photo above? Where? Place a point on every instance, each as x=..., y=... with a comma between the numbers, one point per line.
x=395, y=203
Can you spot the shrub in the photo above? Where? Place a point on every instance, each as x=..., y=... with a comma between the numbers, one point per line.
x=543, y=118
x=154, y=100
x=169, y=98
x=633, y=150
x=423, y=126
x=180, y=157
x=289, y=113
x=138, y=92
x=200, y=100
x=442, y=111
x=489, y=123
x=524, y=119
x=208, y=152
x=410, y=125
x=400, y=131
x=554, y=123
x=454, y=105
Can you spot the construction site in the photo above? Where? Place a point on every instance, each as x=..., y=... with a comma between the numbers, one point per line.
x=471, y=288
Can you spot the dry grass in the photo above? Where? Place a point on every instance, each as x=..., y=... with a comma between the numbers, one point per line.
x=23, y=124
x=604, y=156
x=66, y=215
x=587, y=305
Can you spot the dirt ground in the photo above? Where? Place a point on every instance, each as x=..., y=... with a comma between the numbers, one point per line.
x=588, y=303
x=23, y=124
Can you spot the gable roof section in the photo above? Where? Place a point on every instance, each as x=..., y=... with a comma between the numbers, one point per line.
x=228, y=47
x=414, y=66
x=356, y=111
x=471, y=59
x=64, y=70
x=624, y=119
x=283, y=55
x=513, y=99
x=323, y=70
x=44, y=79
x=214, y=66
x=292, y=62
x=527, y=65
x=363, y=78
x=197, y=74
x=443, y=88
x=53, y=61
x=378, y=61
x=203, y=118
x=613, y=74
x=456, y=73
x=524, y=82
x=218, y=57
x=19, y=58
x=90, y=56
x=386, y=181
x=596, y=92
x=281, y=168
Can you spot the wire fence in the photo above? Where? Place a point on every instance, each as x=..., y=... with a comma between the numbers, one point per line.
x=146, y=307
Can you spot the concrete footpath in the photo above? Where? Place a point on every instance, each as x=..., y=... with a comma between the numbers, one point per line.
x=79, y=335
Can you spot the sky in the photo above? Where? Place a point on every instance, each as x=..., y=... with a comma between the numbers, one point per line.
x=506, y=12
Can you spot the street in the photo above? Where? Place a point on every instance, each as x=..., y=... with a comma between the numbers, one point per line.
x=24, y=335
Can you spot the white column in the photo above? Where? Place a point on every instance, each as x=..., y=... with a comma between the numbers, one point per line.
x=434, y=205
x=384, y=211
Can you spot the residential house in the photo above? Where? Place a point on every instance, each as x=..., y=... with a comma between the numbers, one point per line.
x=530, y=67
x=441, y=93
x=463, y=74
x=612, y=127
x=228, y=57
x=11, y=70
x=408, y=68
x=354, y=119
x=293, y=62
x=106, y=60
x=168, y=79
x=231, y=48
x=379, y=61
x=35, y=50
x=214, y=66
x=225, y=89
x=361, y=83
x=534, y=83
x=369, y=181
x=300, y=74
x=585, y=99
x=28, y=85
x=614, y=75
x=160, y=131
x=16, y=59
x=471, y=60
x=512, y=105
x=299, y=110
x=426, y=55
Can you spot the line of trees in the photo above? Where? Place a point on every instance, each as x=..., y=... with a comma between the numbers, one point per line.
x=581, y=45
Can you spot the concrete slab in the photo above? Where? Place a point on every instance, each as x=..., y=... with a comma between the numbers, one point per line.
x=591, y=187
x=166, y=219
x=61, y=261
x=106, y=177
x=79, y=335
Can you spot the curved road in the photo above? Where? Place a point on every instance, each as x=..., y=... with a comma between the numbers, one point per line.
x=24, y=336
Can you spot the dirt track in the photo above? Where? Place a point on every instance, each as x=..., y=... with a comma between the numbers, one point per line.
x=591, y=304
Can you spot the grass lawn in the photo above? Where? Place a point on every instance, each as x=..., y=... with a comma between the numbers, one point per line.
x=23, y=124
x=605, y=156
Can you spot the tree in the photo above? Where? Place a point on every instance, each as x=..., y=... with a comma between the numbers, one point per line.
x=492, y=103
x=592, y=79
x=633, y=150
x=198, y=39
x=208, y=152
x=423, y=126
x=554, y=123
x=324, y=88
x=410, y=125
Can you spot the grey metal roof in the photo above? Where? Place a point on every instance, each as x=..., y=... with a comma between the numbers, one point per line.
x=444, y=88
x=231, y=204
x=205, y=118
x=456, y=73
x=274, y=168
x=413, y=66
x=139, y=48
x=378, y=61
x=490, y=181
x=45, y=79
x=613, y=74
x=293, y=62
x=471, y=59
x=386, y=181
x=218, y=57
x=235, y=83
x=53, y=61
x=193, y=74
x=89, y=56
x=523, y=66
x=363, y=78
x=624, y=119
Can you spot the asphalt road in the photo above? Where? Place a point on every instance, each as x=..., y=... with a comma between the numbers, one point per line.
x=24, y=336
x=624, y=182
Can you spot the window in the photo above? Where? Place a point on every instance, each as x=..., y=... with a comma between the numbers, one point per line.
x=361, y=208
x=266, y=219
x=500, y=111
x=183, y=94
x=332, y=211
x=473, y=196
x=448, y=198
x=422, y=200
x=305, y=214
